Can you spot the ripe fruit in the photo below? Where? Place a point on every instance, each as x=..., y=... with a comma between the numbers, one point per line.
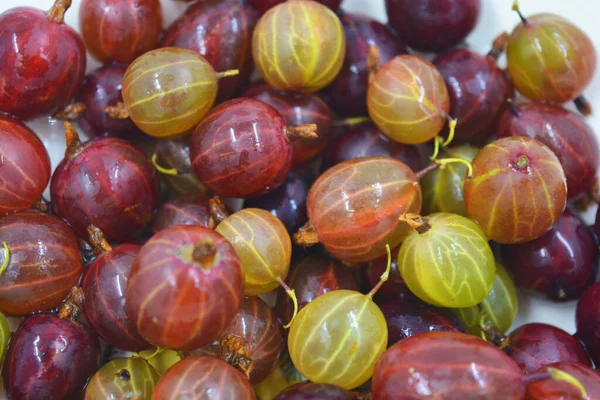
x=264, y=5
x=193, y=209
x=587, y=319
x=123, y=378
x=304, y=391
x=518, y=190
x=173, y=155
x=550, y=389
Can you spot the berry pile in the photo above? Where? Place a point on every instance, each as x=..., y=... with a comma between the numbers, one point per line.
x=281, y=200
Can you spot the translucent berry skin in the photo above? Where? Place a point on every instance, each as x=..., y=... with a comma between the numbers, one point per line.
x=354, y=206
x=443, y=188
x=123, y=378
x=299, y=109
x=101, y=89
x=515, y=204
x=121, y=173
x=412, y=317
x=550, y=58
x=343, y=327
x=307, y=391
x=365, y=140
x=219, y=381
x=310, y=278
x=587, y=319
x=559, y=264
x=192, y=209
x=104, y=286
x=550, y=389
x=453, y=247
x=120, y=30
x=50, y=358
x=566, y=133
x=260, y=332
x=175, y=153
x=283, y=376
x=190, y=302
x=478, y=91
x=432, y=25
x=288, y=201
x=348, y=92
x=168, y=91
x=299, y=45
x=264, y=5
x=263, y=245
x=25, y=166
x=44, y=262
x=43, y=63
x=241, y=149
x=447, y=365
x=408, y=100
x=220, y=31
x=534, y=345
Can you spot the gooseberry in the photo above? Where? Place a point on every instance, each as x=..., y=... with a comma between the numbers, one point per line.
x=587, y=319
x=172, y=159
x=193, y=209
x=583, y=378
x=305, y=391
x=123, y=378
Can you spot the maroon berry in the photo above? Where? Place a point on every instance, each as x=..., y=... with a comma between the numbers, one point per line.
x=555, y=389
x=191, y=209
x=394, y=289
x=309, y=391
x=588, y=321
x=263, y=6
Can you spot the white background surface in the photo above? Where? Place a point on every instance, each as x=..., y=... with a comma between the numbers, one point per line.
x=496, y=16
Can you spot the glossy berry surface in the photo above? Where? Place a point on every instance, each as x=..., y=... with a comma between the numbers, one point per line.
x=123, y=378
x=263, y=245
x=567, y=134
x=478, y=91
x=453, y=246
x=550, y=389
x=587, y=319
x=167, y=91
x=365, y=140
x=104, y=286
x=534, y=345
x=308, y=391
x=219, y=381
x=44, y=61
x=288, y=201
x=264, y=5
x=24, y=166
x=518, y=190
x=446, y=364
x=196, y=287
x=394, y=289
x=337, y=338
x=50, y=358
x=299, y=45
x=299, y=109
x=261, y=341
x=348, y=92
x=355, y=205
x=192, y=209
x=44, y=262
x=560, y=264
x=241, y=149
x=408, y=100
x=120, y=30
x=310, y=278
x=549, y=58
x=432, y=25
x=283, y=376
x=220, y=31
x=174, y=153
x=106, y=182
x=102, y=89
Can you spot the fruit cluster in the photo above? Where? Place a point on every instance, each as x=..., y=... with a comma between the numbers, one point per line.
x=392, y=205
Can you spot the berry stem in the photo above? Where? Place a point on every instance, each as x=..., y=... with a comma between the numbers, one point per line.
x=74, y=145
x=72, y=306
x=416, y=222
x=452, y=129
x=351, y=121
x=562, y=376
x=373, y=59
x=71, y=112
x=386, y=274
x=97, y=239
x=292, y=294
x=204, y=253
x=225, y=74
x=6, y=260
x=167, y=171
x=445, y=161
x=522, y=161
x=118, y=111
x=218, y=212
x=426, y=170
x=306, y=131
x=235, y=353
x=536, y=377
x=498, y=46
x=515, y=7
x=306, y=236
x=57, y=12
x=437, y=143
x=583, y=106
x=124, y=375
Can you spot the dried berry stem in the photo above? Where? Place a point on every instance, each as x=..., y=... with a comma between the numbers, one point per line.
x=583, y=106
x=225, y=74
x=351, y=121
x=72, y=306
x=57, y=12
x=494, y=336
x=42, y=205
x=167, y=171
x=71, y=112
x=498, y=46
x=306, y=131
x=292, y=294
x=97, y=240
x=516, y=8
x=204, y=253
x=306, y=236
x=417, y=222
x=235, y=353
x=124, y=375
x=6, y=258
x=118, y=111
x=512, y=108
x=386, y=274
x=74, y=145
x=426, y=170
x=373, y=59
x=522, y=161
x=218, y=212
